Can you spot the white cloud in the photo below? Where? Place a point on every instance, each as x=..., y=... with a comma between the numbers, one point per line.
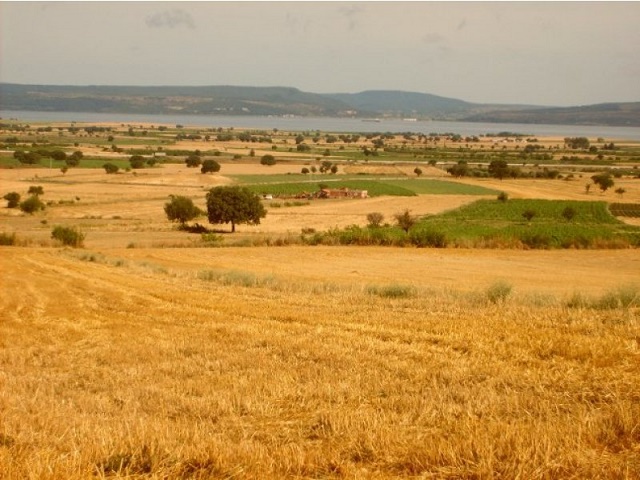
x=170, y=19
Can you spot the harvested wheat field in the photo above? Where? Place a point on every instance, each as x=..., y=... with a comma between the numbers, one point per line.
x=218, y=364
x=145, y=354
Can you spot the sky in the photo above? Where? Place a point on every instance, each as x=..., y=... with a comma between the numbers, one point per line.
x=536, y=53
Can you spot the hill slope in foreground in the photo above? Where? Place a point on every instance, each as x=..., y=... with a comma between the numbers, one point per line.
x=211, y=363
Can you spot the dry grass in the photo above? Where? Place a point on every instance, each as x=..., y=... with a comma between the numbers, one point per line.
x=132, y=365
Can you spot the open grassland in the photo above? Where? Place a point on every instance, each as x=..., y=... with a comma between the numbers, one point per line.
x=174, y=364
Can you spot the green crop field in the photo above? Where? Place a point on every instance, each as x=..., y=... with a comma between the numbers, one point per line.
x=441, y=187
x=291, y=185
x=494, y=223
x=625, y=209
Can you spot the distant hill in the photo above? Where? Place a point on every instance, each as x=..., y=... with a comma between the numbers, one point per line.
x=236, y=100
x=403, y=104
x=613, y=114
x=227, y=100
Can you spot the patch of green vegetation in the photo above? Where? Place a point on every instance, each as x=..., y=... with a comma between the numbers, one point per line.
x=441, y=187
x=496, y=224
x=546, y=211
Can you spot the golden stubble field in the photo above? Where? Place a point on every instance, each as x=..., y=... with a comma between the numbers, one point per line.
x=165, y=361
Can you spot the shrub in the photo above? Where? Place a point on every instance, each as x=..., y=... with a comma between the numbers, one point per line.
x=197, y=228
x=625, y=296
x=503, y=196
x=268, y=160
x=7, y=238
x=499, y=291
x=577, y=300
x=569, y=213
x=528, y=214
x=392, y=291
x=69, y=236
x=536, y=240
x=32, y=205
x=110, y=168
x=137, y=161
x=375, y=219
x=428, y=238
x=405, y=220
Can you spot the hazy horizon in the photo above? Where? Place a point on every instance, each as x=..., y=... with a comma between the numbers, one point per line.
x=537, y=53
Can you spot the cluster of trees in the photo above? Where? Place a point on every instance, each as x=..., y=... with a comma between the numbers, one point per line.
x=34, y=157
x=576, y=143
x=31, y=205
x=206, y=166
x=499, y=169
x=235, y=205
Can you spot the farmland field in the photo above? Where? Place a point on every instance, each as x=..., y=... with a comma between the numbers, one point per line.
x=156, y=353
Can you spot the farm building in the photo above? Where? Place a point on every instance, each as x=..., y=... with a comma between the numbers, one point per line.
x=341, y=193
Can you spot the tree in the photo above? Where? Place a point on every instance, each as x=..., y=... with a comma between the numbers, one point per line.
x=303, y=147
x=620, y=191
x=577, y=142
x=268, y=160
x=137, y=161
x=461, y=169
x=210, y=166
x=110, y=168
x=35, y=190
x=13, y=199
x=74, y=159
x=334, y=169
x=193, y=161
x=405, y=220
x=326, y=166
x=603, y=180
x=234, y=205
x=417, y=171
x=181, y=209
x=304, y=171
x=28, y=158
x=499, y=169
x=58, y=155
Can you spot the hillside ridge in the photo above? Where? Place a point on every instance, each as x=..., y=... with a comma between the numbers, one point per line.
x=280, y=101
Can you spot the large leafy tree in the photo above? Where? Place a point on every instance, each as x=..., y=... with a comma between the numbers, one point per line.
x=210, y=166
x=234, y=205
